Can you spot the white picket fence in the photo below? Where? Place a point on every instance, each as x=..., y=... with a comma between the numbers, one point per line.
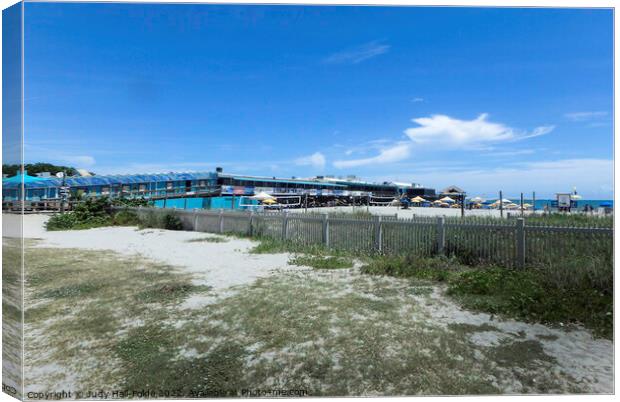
x=509, y=242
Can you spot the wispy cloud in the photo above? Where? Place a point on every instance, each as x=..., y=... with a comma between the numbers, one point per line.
x=417, y=100
x=448, y=131
x=445, y=132
x=80, y=160
x=358, y=54
x=585, y=116
x=316, y=160
x=391, y=154
x=515, y=152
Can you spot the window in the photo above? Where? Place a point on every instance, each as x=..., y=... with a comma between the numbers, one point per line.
x=169, y=185
x=105, y=190
x=125, y=189
x=142, y=188
x=202, y=183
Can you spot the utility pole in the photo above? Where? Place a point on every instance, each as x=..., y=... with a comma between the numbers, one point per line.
x=521, y=205
x=63, y=192
x=501, y=204
x=534, y=201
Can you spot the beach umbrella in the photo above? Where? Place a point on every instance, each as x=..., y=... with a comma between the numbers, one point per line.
x=477, y=200
x=269, y=201
x=447, y=199
x=575, y=197
x=418, y=199
x=526, y=205
x=262, y=196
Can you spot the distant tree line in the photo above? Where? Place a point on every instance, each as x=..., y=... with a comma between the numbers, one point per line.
x=40, y=167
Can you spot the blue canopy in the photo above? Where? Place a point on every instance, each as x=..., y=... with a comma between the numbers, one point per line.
x=41, y=182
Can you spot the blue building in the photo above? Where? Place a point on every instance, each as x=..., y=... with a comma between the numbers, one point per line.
x=201, y=189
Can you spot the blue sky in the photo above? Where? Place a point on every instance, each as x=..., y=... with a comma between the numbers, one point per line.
x=488, y=99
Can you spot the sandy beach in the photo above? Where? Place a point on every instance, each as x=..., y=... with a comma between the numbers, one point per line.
x=571, y=357
x=220, y=265
x=412, y=211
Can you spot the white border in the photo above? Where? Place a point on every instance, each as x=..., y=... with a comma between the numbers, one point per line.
x=470, y=3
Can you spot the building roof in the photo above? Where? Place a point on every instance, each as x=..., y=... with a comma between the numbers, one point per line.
x=41, y=182
x=279, y=180
x=452, y=190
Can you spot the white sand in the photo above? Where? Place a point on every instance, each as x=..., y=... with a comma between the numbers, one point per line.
x=222, y=265
x=413, y=211
x=219, y=265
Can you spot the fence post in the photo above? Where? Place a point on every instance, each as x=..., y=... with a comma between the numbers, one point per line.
x=251, y=223
x=195, y=220
x=520, y=233
x=285, y=225
x=221, y=221
x=378, y=234
x=441, y=235
x=326, y=230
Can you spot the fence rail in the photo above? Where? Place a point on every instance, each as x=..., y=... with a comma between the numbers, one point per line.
x=511, y=243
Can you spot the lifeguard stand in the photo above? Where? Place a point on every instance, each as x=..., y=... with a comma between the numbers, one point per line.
x=564, y=201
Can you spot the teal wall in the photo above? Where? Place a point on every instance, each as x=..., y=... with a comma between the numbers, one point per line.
x=204, y=203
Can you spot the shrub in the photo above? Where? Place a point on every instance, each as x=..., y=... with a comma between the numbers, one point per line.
x=126, y=218
x=321, y=262
x=87, y=214
x=580, y=292
x=409, y=266
x=61, y=222
x=130, y=202
x=172, y=222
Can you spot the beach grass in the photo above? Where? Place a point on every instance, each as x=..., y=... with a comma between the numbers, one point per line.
x=536, y=295
x=321, y=262
x=322, y=331
x=209, y=239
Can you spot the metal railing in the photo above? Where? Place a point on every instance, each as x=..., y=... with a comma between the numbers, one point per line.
x=507, y=242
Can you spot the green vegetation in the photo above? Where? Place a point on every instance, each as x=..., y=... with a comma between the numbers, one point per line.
x=310, y=330
x=530, y=294
x=88, y=214
x=579, y=220
x=172, y=222
x=321, y=262
x=130, y=202
x=269, y=245
x=33, y=168
x=96, y=301
x=152, y=219
x=210, y=239
x=12, y=313
x=92, y=213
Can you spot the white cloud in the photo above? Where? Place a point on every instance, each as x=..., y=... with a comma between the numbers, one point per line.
x=80, y=160
x=444, y=132
x=592, y=177
x=515, y=152
x=395, y=153
x=416, y=100
x=358, y=54
x=585, y=116
x=447, y=131
x=316, y=160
